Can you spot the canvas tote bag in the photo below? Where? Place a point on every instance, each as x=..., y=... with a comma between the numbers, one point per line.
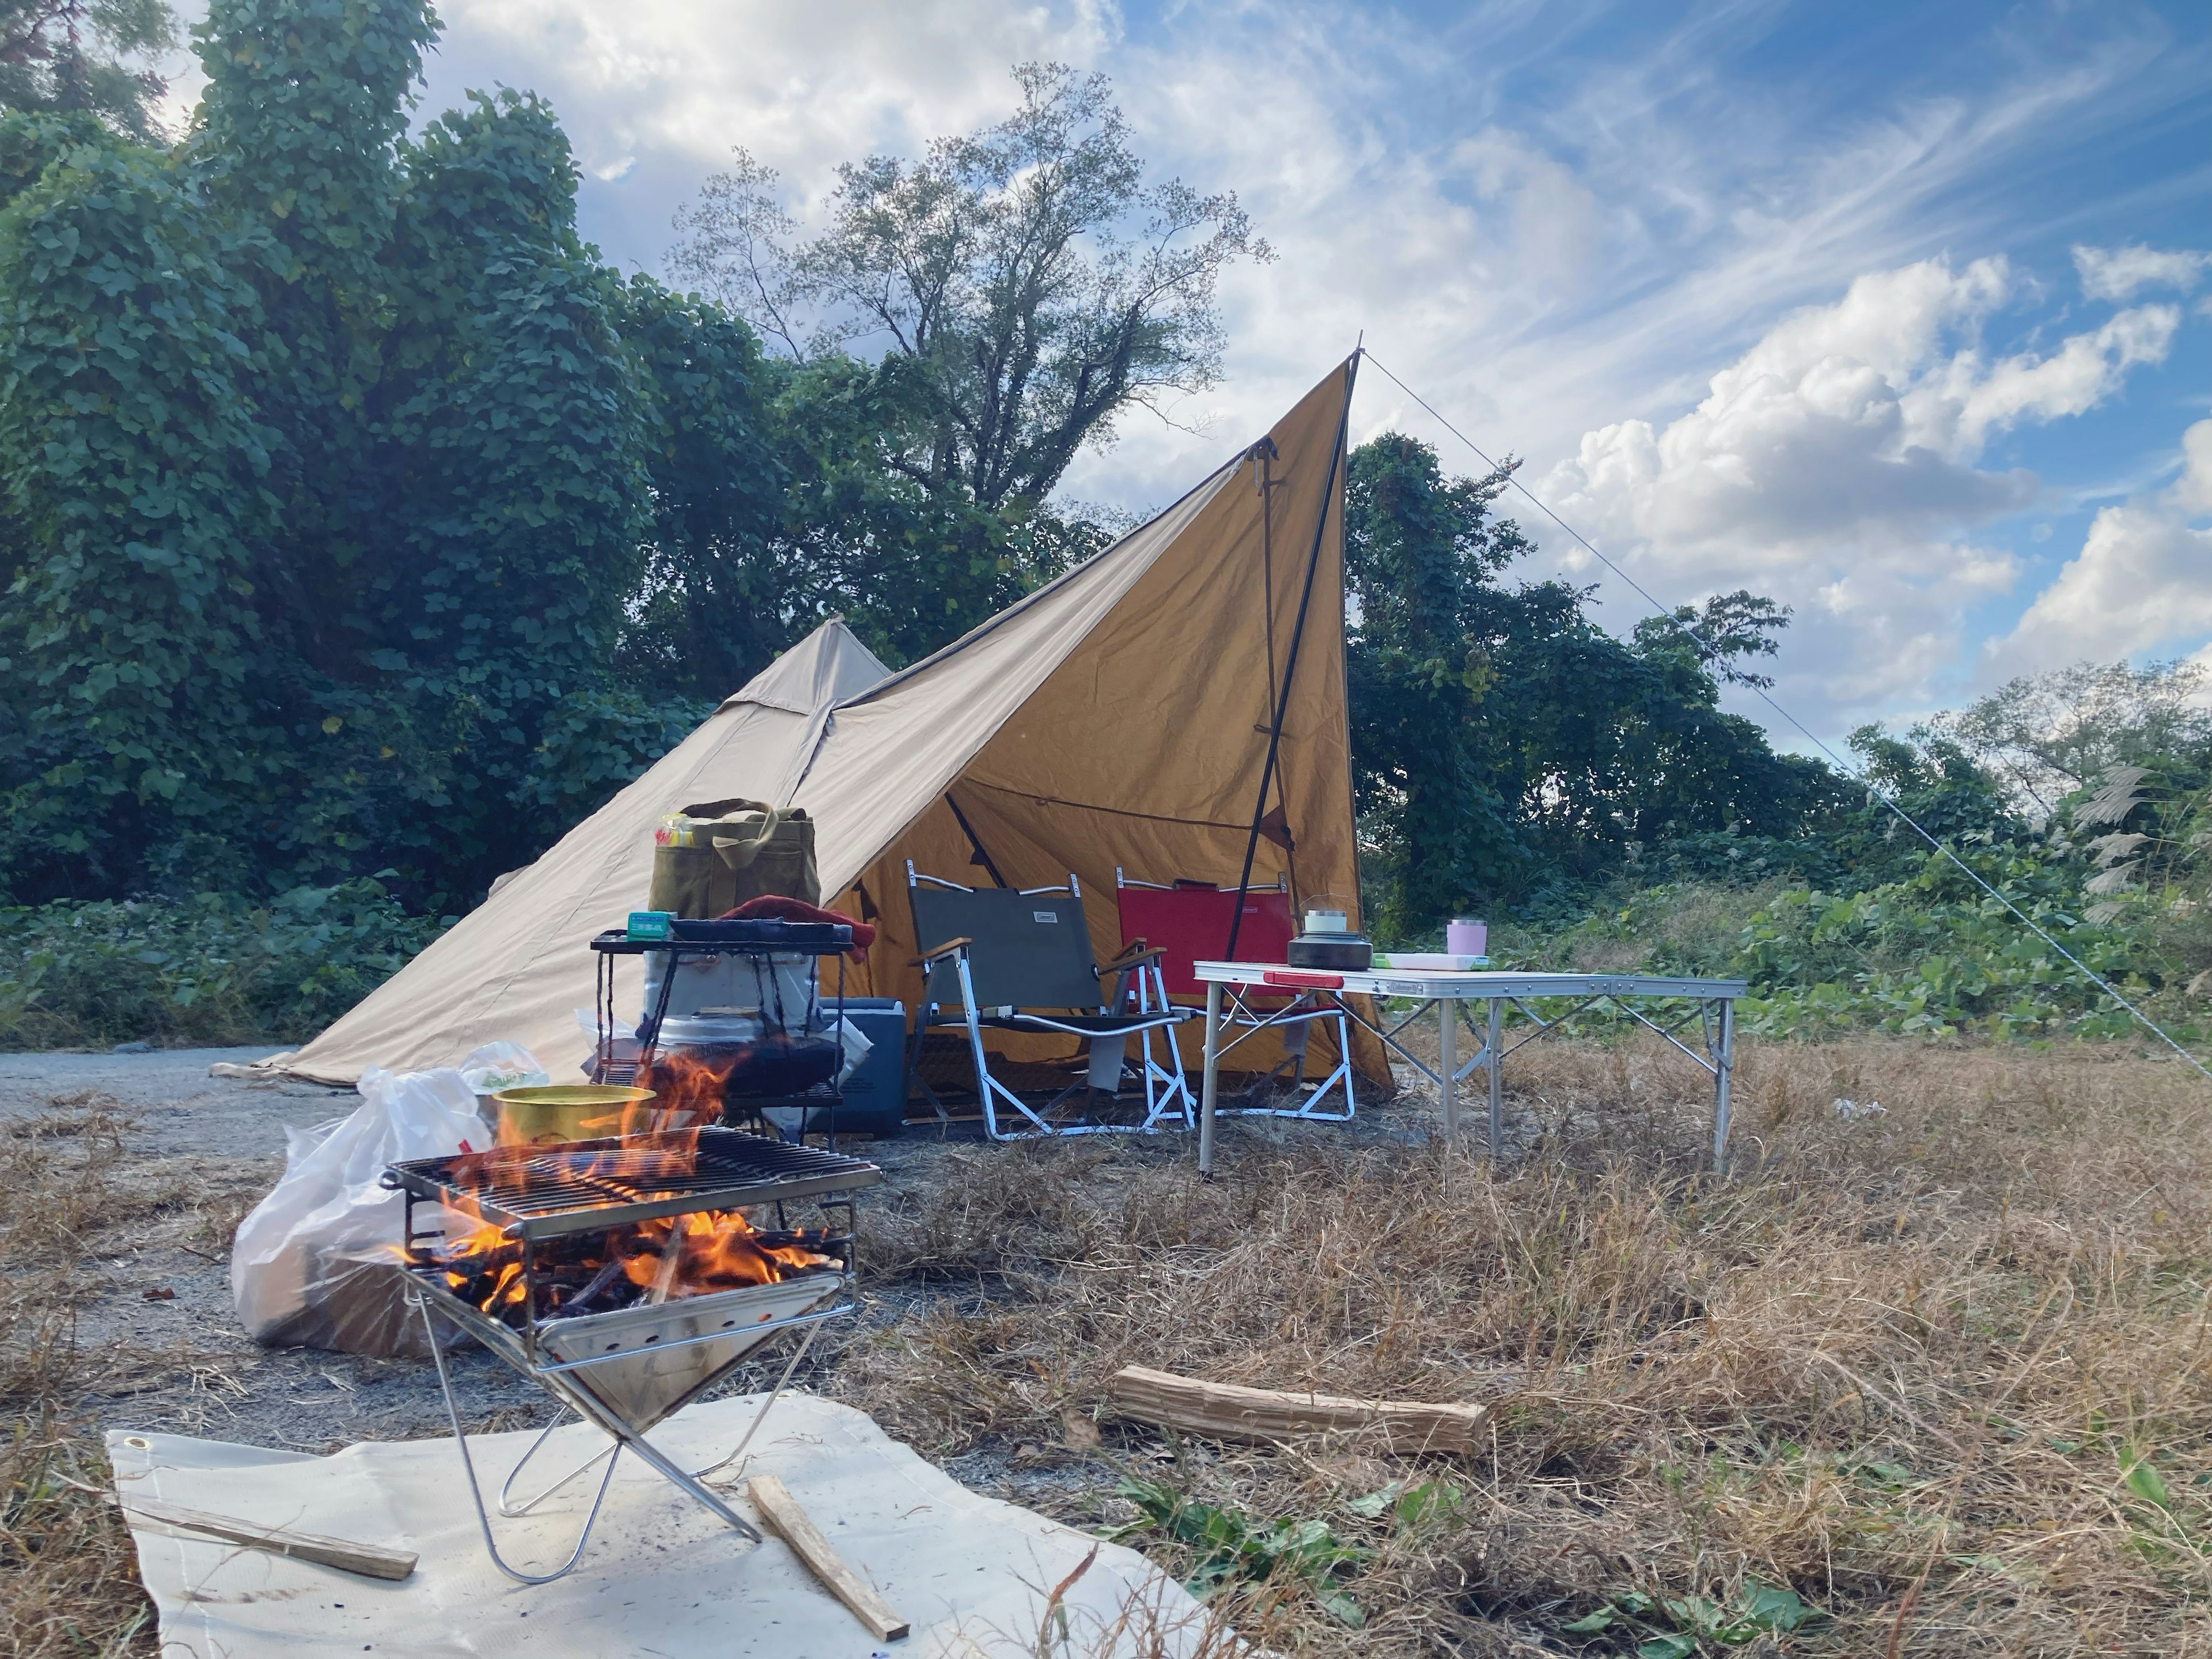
x=711, y=858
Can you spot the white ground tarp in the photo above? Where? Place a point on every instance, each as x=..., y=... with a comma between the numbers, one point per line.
x=661, y=1575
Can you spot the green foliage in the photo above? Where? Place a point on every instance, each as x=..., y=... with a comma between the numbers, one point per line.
x=208, y=968
x=353, y=516
x=1410, y=1506
x=137, y=469
x=1931, y=955
x=1226, y=1546
x=71, y=56
x=1936, y=956
x=1504, y=743
x=1680, y=1626
x=1714, y=635
x=329, y=463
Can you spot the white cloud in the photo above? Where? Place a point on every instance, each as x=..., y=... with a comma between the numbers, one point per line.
x=2141, y=581
x=1835, y=466
x=654, y=94
x=2119, y=273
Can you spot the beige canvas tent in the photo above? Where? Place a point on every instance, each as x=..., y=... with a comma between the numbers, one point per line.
x=519, y=965
x=1123, y=715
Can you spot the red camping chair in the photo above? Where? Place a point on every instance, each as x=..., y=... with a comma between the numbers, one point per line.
x=1187, y=922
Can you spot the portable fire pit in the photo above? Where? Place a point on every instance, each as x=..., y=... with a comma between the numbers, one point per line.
x=625, y=1277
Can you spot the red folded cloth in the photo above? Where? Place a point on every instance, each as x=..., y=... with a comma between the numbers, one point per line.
x=774, y=907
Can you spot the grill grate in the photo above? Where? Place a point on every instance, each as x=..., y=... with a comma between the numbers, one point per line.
x=538, y=1192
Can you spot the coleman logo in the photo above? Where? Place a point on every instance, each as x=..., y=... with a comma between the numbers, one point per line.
x=1044, y=916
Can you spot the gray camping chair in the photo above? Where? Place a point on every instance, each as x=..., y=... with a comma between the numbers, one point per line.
x=1010, y=959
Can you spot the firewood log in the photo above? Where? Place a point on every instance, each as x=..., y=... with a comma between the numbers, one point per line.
x=1225, y=1410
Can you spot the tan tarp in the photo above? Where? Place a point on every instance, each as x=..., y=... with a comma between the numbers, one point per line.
x=518, y=966
x=1117, y=717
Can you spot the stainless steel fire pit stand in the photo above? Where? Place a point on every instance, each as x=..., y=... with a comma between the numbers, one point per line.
x=625, y=1370
x=564, y=1381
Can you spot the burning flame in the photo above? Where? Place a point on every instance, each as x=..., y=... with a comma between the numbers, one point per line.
x=687, y=1093
x=654, y=1261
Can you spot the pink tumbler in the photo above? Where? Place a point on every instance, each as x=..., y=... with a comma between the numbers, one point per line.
x=1463, y=938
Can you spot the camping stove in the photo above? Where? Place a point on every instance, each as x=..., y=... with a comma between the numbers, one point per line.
x=625, y=1277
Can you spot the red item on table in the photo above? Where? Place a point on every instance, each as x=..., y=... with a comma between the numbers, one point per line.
x=774, y=907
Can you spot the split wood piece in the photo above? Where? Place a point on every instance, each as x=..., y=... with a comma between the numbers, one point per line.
x=1228, y=1411
x=781, y=1511
x=347, y=1556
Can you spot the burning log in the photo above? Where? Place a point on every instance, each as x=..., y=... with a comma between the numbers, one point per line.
x=1225, y=1411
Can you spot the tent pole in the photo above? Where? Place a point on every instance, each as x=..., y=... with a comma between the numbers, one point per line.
x=973, y=839
x=1291, y=661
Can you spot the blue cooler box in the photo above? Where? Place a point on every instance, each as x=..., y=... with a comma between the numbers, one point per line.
x=875, y=1094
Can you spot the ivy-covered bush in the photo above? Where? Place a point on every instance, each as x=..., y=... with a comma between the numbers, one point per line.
x=207, y=969
x=330, y=461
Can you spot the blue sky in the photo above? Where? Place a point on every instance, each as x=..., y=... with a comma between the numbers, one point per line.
x=1898, y=313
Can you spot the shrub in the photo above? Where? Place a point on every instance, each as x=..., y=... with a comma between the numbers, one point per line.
x=212, y=968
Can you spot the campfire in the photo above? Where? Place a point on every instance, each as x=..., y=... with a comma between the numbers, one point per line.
x=627, y=1276
x=633, y=1272
x=519, y=1274
x=646, y=1262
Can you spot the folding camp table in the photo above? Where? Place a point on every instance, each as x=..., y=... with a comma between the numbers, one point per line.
x=1448, y=994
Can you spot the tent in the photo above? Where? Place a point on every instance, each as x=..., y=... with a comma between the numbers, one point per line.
x=1173, y=707
x=519, y=965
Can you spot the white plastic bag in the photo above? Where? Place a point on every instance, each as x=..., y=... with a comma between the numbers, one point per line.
x=499, y=1065
x=315, y=1265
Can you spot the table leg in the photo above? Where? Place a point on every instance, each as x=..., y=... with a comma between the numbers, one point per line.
x=1448, y=1064
x=1723, y=1067
x=1497, y=1087
x=1210, y=1078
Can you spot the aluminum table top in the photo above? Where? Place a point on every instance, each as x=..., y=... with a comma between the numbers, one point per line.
x=1435, y=984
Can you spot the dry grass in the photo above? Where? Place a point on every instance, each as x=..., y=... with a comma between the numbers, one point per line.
x=1902, y=1364
x=68, y=1576
x=69, y=1582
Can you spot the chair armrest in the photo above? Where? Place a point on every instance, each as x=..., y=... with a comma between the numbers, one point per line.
x=950, y=947
x=1127, y=960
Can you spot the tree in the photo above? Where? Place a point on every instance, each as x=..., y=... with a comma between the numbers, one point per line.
x=1727, y=626
x=1418, y=554
x=71, y=56
x=1023, y=285
x=1503, y=742
x=331, y=463
x=2053, y=733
